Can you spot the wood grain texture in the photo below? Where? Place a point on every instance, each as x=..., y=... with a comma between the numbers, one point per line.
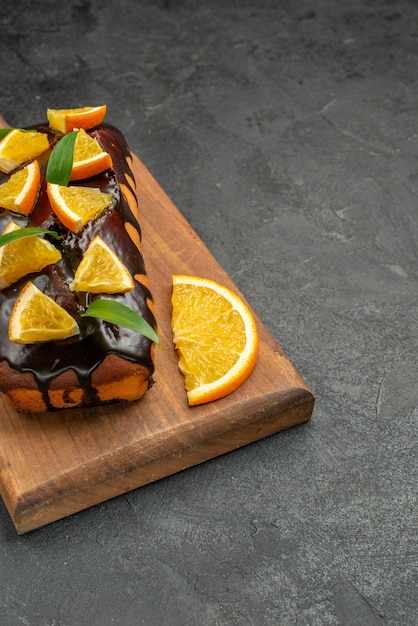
x=56, y=464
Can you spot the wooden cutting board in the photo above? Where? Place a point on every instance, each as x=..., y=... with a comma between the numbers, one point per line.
x=55, y=464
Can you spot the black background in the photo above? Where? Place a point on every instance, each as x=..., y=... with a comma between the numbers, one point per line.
x=286, y=133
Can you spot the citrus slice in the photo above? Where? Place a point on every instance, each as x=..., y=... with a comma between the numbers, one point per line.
x=215, y=335
x=101, y=271
x=20, y=192
x=75, y=206
x=66, y=120
x=24, y=256
x=21, y=146
x=36, y=317
x=89, y=157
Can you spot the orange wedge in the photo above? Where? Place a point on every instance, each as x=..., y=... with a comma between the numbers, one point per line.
x=20, y=192
x=101, y=271
x=75, y=206
x=89, y=157
x=66, y=120
x=36, y=317
x=21, y=146
x=215, y=335
x=23, y=256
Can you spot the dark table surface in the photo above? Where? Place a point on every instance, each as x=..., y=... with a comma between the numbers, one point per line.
x=287, y=135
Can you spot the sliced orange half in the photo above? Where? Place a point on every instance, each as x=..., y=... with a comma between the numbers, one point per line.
x=101, y=271
x=36, y=317
x=66, y=120
x=215, y=335
x=75, y=206
x=89, y=157
x=24, y=256
x=21, y=146
x=20, y=192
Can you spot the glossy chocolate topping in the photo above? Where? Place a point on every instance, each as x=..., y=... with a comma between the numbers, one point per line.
x=84, y=353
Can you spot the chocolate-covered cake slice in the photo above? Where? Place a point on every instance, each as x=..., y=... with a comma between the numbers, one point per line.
x=104, y=362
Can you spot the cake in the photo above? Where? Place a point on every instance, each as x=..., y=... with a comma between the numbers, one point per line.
x=104, y=362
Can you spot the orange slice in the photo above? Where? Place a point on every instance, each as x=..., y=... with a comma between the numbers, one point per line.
x=21, y=146
x=75, y=206
x=66, y=120
x=89, y=157
x=101, y=271
x=36, y=317
x=20, y=192
x=215, y=335
x=23, y=256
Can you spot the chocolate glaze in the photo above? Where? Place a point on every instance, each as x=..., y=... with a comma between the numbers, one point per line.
x=97, y=339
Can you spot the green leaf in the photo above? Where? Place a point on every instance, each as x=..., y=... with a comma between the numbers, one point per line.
x=60, y=162
x=120, y=314
x=30, y=231
x=4, y=132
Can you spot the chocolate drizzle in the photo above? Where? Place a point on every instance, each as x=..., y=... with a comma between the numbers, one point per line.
x=84, y=353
